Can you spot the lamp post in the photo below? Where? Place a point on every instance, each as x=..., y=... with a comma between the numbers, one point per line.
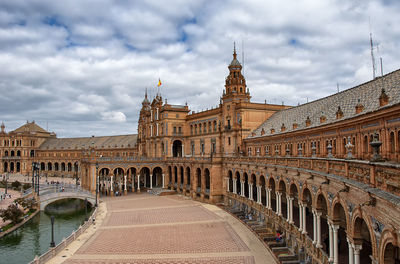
x=35, y=176
x=52, y=244
x=7, y=175
x=97, y=182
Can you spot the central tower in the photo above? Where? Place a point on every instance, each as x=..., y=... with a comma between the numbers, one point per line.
x=235, y=83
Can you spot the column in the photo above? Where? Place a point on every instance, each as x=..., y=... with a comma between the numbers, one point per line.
x=250, y=191
x=163, y=180
x=151, y=181
x=259, y=194
x=319, y=245
x=242, y=189
x=227, y=185
x=125, y=189
x=304, y=219
x=234, y=186
x=277, y=202
x=357, y=249
x=314, y=227
x=288, y=209
x=330, y=242
x=183, y=150
x=291, y=199
x=269, y=198
x=351, y=252
x=112, y=185
x=335, y=244
x=301, y=216
x=138, y=183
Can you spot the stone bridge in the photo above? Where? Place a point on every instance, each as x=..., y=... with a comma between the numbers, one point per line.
x=51, y=193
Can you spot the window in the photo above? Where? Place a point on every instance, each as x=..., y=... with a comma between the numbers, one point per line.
x=174, y=130
x=180, y=130
x=229, y=141
x=191, y=129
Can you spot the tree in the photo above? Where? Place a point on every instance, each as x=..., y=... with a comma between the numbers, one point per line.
x=16, y=184
x=12, y=213
x=27, y=203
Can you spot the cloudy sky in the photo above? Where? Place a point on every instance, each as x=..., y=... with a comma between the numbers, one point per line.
x=81, y=67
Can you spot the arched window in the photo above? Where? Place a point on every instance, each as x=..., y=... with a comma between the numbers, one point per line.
x=12, y=153
x=391, y=144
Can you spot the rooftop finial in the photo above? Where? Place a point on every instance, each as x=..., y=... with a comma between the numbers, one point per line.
x=234, y=50
x=145, y=95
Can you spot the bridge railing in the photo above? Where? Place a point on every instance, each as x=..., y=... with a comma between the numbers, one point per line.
x=52, y=252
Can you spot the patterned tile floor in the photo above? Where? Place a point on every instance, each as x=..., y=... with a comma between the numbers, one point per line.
x=144, y=229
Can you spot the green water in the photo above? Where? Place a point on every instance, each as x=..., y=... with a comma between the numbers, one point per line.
x=34, y=237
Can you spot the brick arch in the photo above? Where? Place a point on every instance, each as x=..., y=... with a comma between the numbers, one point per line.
x=253, y=179
x=282, y=186
x=389, y=236
x=291, y=189
x=271, y=181
x=333, y=214
x=303, y=193
x=317, y=201
x=259, y=180
x=236, y=174
x=360, y=214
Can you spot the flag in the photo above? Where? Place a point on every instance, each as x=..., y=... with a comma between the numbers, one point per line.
x=159, y=83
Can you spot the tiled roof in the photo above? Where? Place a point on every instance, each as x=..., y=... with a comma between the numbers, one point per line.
x=30, y=127
x=366, y=94
x=123, y=141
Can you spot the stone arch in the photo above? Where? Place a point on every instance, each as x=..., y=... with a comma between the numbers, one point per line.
x=207, y=180
x=157, y=180
x=307, y=199
x=188, y=177
x=169, y=180
x=362, y=235
x=181, y=177
x=294, y=193
x=198, y=180
x=340, y=217
x=246, y=184
x=238, y=183
x=230, y=181
x=175, y=177
x=335, y=212
x=263, y=190
x=271, y=185
x=56, y=167
x=42, y=166
x=389, y=247
x=177, y=148
x=144, y=177
x=254, y=186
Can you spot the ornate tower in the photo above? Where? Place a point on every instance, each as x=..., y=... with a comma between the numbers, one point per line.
x=235, y=83
x=3, y=127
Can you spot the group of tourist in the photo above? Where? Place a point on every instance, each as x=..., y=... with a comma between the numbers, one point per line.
x=4, y=196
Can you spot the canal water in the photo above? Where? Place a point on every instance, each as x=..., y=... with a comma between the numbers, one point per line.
x=22, y=245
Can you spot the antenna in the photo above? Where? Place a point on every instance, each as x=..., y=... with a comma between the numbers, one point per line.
x=372, y=50
x=337, y=86
x=381, y=67
x=47, y=125
x=243, y=55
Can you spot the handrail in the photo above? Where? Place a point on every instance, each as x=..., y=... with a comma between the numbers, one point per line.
x=52, y=252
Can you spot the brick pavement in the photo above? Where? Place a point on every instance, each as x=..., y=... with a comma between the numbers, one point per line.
x=160, y=215
x=219, y=260
x=144, y=229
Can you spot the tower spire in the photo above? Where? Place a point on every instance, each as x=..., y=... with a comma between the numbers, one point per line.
x=234, y=50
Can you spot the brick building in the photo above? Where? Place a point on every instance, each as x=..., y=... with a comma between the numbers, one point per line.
x=325, y=171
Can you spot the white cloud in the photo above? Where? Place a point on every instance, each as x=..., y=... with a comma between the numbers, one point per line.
x=117, y=117
x=73, y=62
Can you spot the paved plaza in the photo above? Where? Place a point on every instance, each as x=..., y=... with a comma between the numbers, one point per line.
x=144, y=229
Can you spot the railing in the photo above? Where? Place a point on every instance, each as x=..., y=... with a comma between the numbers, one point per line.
x=382, y=175
x=52, y=252
x=239, y=203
